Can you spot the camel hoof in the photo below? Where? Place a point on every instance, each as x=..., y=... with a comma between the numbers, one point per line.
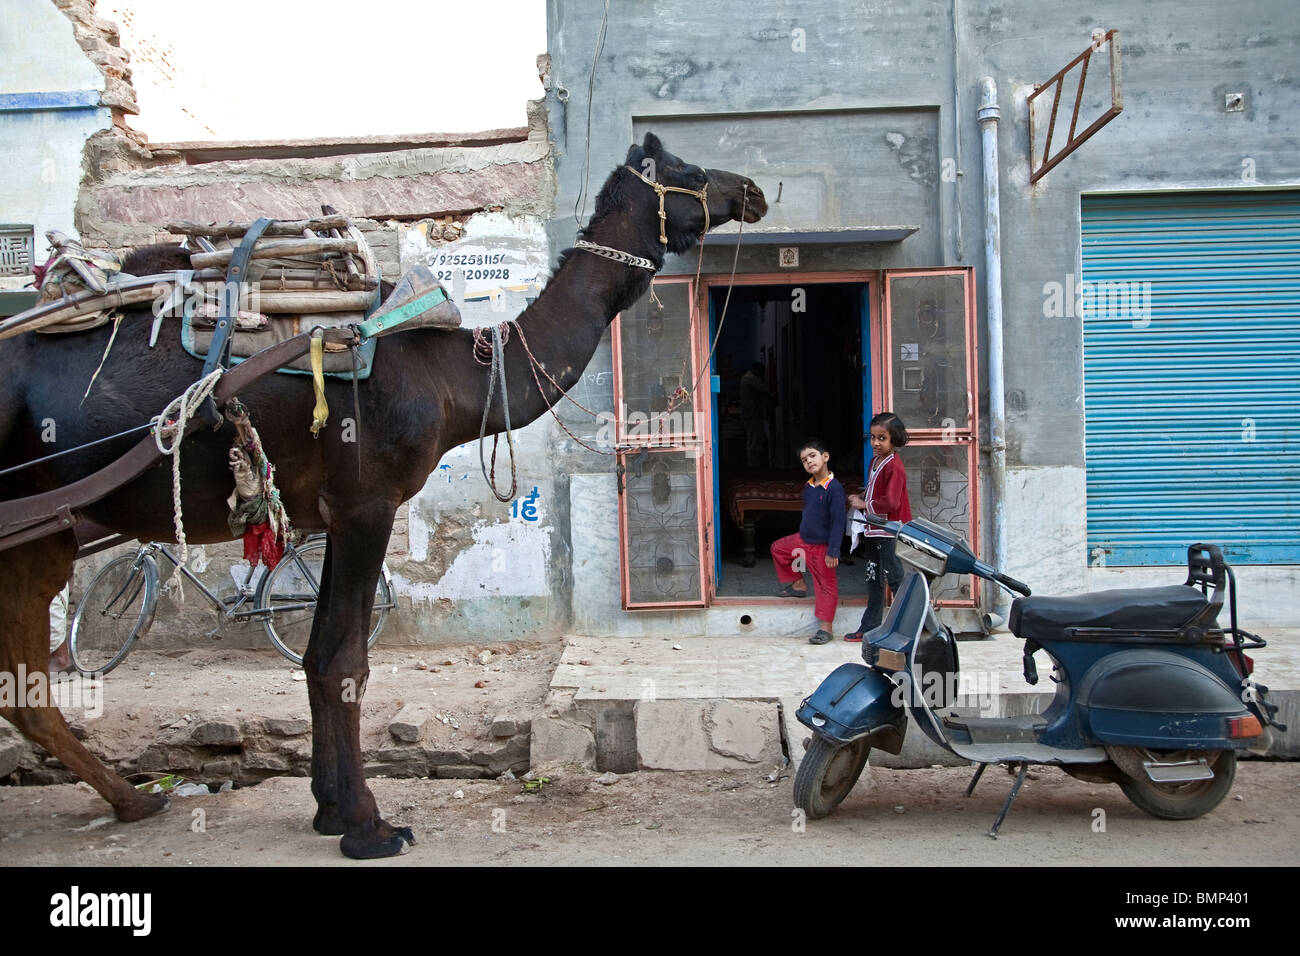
x=328, y=823
x=147, y=805
x=360, y=848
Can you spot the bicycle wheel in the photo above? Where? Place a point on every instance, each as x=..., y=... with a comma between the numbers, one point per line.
x=118, y=607
x=288, y=596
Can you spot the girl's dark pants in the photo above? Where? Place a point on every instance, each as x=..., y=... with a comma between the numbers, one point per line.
x=882, y=565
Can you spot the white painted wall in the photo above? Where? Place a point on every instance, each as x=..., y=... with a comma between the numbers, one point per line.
x=42, y=149
x=38, y=53
x=42, y=153
x=491, y=272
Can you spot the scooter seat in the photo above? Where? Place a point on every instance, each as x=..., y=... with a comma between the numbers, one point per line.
x=1165, y=608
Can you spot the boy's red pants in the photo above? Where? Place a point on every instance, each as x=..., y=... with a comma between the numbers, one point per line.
x=826, y=585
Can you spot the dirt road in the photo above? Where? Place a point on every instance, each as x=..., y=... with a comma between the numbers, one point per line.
x=917, y=817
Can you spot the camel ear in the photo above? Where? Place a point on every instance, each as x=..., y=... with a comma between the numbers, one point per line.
x=652, y=145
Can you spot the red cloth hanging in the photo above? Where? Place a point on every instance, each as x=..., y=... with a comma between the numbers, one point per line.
x=260, y=542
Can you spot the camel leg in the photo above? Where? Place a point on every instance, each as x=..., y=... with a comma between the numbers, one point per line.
x=33, y=574
x=337, y=671
x=324, y=769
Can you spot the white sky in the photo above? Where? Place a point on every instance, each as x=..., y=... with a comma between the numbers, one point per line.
x=275, y=69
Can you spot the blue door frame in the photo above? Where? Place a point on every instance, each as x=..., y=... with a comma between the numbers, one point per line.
x=715, y=386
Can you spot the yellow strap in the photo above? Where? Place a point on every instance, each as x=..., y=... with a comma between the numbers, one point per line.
x=321, y=413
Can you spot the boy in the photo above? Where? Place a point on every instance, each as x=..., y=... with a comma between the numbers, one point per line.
x=816, y=548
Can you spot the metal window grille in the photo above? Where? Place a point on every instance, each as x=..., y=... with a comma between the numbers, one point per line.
x=17, y=245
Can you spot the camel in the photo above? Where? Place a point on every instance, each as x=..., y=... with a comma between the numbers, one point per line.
x=425, y=396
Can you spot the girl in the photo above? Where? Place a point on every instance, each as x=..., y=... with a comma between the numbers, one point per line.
x=885, y=495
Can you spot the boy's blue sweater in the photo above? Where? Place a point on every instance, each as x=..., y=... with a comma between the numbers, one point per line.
x=823, y=515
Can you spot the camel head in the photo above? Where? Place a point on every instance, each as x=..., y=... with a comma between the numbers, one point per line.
x=729, y=195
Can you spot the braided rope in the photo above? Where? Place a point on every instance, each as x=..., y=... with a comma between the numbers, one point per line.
x=170, y=435
x=498, y=365
x=483, y=348
x=535, y=365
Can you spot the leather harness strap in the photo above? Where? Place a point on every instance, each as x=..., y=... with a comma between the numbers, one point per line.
x=219, y=350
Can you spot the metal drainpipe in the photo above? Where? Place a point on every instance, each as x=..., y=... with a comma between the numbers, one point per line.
x=988, y=119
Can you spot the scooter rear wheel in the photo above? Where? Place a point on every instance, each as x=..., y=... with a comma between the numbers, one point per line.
x=827, y=774
x=1181, y=801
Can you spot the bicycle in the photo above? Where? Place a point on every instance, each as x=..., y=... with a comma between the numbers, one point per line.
x=118, y=605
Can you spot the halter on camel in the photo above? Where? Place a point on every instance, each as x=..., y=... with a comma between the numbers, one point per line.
x=662, y=190
x=626, y=257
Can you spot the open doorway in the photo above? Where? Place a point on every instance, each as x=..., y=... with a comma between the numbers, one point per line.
x=792, y=363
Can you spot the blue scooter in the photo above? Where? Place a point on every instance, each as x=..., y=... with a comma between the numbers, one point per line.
x=1151, y=692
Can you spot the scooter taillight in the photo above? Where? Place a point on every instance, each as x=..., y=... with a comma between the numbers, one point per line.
x=1244, y=727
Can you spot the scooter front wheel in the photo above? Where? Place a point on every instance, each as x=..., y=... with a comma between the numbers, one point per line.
x=827, y=774
x=1178, y=801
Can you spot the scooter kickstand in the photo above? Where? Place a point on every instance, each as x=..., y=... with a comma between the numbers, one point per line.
x=1006, y=807
x=979, y=772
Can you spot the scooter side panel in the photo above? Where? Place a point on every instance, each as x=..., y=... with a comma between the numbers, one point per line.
x=1160, y=699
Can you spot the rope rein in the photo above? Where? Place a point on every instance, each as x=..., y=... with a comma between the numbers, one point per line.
x=497, y=349
x=682, y=394
x=170, y=435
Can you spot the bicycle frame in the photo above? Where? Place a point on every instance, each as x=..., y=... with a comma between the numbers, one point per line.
x=226, y=611
x=274, y=608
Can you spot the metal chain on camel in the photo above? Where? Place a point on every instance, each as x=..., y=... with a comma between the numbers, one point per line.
x=170, y=435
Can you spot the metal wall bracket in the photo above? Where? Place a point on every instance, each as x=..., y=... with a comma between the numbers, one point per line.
x=1041, y=163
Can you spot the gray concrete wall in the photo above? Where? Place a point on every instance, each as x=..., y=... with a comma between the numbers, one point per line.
x=866, y=113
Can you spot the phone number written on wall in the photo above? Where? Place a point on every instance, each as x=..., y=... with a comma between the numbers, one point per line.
x=471, y=265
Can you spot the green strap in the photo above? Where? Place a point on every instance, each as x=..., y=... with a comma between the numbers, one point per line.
x=390, y=320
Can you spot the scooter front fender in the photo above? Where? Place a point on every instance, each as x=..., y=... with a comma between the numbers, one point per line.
x=856, y=701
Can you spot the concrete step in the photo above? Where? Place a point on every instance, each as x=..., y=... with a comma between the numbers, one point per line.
x=709, y=703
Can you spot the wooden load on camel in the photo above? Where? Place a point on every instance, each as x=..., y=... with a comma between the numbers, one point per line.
x=318, y=271
x=313, y=265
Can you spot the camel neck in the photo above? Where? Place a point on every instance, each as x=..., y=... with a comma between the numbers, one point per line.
x=562, y=329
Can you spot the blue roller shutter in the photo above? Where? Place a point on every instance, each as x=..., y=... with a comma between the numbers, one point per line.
x=1191, y=334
